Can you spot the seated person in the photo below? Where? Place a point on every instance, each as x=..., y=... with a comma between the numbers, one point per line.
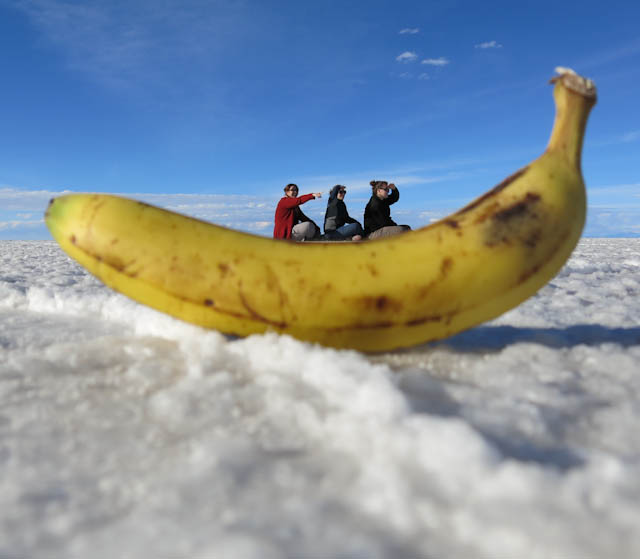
x=290, y=222
x=338, y=224
x=377, y=214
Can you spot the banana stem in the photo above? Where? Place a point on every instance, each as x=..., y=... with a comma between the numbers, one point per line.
x=574, y=97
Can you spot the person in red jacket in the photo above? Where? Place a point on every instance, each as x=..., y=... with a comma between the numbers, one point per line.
x=290, y=222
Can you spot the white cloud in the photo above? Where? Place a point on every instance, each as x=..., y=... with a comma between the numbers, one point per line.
x=431, y=216
x=407, y=56
x=129, y=46
x=14, y=199
x=442, y=61
x=18, y=207
x=423, y=76
x=630, y=137
x=625, y=138
x=612, y=222
x=20, y=224
x=630, y=189
x=489, y=45
x=614, y=209
x=409, y=31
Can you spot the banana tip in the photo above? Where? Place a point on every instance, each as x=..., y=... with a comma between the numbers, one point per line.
x=573, y=81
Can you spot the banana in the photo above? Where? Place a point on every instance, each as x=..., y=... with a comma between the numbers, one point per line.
x=372, y=296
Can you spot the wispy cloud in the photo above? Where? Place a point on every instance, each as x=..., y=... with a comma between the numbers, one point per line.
x=18, y=200
x=6, y=226
x=489, y=45
x=403, y=177
x=625, y=138
x=247, y=213
x=629, y=189
x=612, y=222
x=407, y=56
x=431, y=216
x=610, y=56
x=129, y=45
x=442, y=61
x=614, y=209
x=630, y=137
x=409, y=31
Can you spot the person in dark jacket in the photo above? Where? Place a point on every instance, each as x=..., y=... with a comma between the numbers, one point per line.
x=338, y=224
x=290, y=221
x=377, y=214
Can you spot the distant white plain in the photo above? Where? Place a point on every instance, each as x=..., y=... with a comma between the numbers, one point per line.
x=126, y=433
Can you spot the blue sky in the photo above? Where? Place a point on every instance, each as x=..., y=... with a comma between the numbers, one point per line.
x=211, y=107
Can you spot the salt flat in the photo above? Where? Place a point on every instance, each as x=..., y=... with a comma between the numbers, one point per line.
x=124, y=432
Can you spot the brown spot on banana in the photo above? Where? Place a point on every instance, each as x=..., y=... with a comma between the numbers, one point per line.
x=526, y=275
x=518, y=223
x=358, y=326
x=518, y=209
x=257, y=316
x=377, y=303
x=211, y=304
x=117, y=263
x=46, y=212
x=532, y=239
x=495, y=190
x=559, y=241
x=487, y=212
x=99, y=202
x=388, y=324
x=423, y=320
x=445, y=266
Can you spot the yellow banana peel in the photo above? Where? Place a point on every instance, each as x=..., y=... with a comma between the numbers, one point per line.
x=423, y=285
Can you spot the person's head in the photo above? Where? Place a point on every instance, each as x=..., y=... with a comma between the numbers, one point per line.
x=380, y=189
x=342, y=190
x=291, y=190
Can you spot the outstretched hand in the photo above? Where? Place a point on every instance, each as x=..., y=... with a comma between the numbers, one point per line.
x=317, y=194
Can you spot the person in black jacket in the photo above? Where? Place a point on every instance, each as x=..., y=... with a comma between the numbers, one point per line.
x=338, y=224
x=377, y=215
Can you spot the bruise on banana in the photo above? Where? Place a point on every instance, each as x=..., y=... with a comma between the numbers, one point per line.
x=252, y=315
x=491, y=193
x=389, y=324
x=384, y=303
x=380, y=303
x=113, y=260
x=519, y=222
x=255, y=315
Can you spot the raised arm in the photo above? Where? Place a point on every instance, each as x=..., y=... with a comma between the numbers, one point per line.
x=395, y=194
x=292, y=202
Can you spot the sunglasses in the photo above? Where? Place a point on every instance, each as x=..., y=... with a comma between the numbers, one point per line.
x=293, y=190
x=342, y=191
